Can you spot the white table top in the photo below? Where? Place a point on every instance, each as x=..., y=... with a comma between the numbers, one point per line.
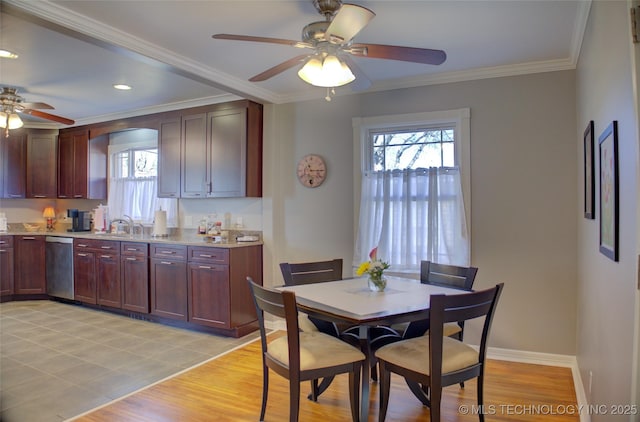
x=352, y=299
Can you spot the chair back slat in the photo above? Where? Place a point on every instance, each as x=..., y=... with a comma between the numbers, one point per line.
x=311, y=272
x=447, y=275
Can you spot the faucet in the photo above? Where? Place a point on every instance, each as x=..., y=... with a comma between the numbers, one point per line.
x=124, y=219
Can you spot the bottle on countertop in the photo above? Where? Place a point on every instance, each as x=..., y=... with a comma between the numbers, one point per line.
x=202, y=226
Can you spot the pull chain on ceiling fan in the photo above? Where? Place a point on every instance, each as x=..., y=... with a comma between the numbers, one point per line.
x=11, y=103
x=330, y=64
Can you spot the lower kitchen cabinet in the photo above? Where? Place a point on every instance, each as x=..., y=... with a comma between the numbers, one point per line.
x=135, y=276
x=6, y=265
x=96, y=268
x=29, y=265
x=219, y=295
x=168, y=281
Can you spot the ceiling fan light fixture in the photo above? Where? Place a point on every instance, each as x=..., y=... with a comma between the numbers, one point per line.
x=3, y=120
x=328, y=73
x=14, y=121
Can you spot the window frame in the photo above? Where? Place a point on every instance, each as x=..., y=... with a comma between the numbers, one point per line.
x=362, y=157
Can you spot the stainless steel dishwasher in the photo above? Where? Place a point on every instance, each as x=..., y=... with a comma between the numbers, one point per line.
x=59, y=266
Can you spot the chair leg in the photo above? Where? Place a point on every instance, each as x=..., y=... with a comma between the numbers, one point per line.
x=265, y=391
x=385, y=386
x=319, y=388
x=313, y=396
x=374, y=370
x=480, y=389
x=434, y=410
x=294, y=400
x=354, y=392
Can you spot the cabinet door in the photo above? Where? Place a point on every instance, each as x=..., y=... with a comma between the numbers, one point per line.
x=29, y=275
x=135, y=283
x=209, y=295
x=13, y=156
x=228, y=153
x=6, y=265
x=169, y=159
x=42, y=149
x=109, y=287
x=194, y=156
x=73, y=151
x=169, y=289
x=84, y=276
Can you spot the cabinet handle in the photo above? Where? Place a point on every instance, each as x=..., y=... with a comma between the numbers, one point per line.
x=3, y=250
x=132, y=249
x=77, y=196
x=29, y=238
x=62, y=196
x=166, y=262
x=204, y=267
x=39, y=196
x=2, y=242
x=131, y=259
x=15, y=196
x=106, y=256
x=81, y=245
x=106, y=247
x=83, y=254
x=205, y=256
x=167, y=252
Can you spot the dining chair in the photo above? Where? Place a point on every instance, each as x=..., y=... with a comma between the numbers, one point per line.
x=452, y=276
x=434, y=360
x=302, y=356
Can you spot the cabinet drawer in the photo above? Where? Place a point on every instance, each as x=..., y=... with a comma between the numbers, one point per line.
x=112, y=246
x=134, y=248
x=172, y=252
x=6, y=241
x=208, y=255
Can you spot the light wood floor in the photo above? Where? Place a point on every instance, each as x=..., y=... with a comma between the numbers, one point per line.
x=229, y=389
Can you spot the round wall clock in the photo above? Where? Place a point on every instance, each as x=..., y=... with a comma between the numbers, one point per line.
x=311, y=170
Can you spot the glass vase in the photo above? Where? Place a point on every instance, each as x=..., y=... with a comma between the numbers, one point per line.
x=377, y=284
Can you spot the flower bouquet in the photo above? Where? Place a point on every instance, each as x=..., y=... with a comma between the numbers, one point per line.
x=375, y=269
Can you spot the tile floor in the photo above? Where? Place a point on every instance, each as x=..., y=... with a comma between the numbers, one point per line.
x=59, y=360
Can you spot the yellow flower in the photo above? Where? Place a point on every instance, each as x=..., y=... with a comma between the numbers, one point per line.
x=362, y=268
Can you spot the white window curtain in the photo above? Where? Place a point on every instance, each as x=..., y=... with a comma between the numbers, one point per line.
x=413, y=215
x=136, y=197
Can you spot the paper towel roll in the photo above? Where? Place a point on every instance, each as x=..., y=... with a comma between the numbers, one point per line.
x=160, y=223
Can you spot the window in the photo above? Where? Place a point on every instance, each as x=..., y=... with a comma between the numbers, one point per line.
x=133, y=178
x=413, y=183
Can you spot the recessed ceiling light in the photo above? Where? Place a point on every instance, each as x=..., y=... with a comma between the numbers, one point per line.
x=6, y=54
x=122, y=87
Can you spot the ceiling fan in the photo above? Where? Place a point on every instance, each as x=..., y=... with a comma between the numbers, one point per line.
x=333, y=38
x=12, y=103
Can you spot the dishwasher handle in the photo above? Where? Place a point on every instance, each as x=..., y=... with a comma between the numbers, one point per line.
x=57, y=239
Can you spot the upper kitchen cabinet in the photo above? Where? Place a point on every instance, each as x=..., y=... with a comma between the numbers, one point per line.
x=42, y=147
x=13, y=157
x=169, y=158
x=222, y=152
x=82, y=165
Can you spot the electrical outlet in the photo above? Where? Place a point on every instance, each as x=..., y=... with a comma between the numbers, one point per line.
x=188, y=221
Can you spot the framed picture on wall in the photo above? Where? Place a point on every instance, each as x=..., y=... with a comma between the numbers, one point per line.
x=609, y=192
x=589, y=177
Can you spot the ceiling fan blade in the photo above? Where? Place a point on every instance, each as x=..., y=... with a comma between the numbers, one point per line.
x=362, y=82
x=269, y=40
x=38, y=106
x=394, y=52
x=349, y=20
x=269, y=73
x=48, y=116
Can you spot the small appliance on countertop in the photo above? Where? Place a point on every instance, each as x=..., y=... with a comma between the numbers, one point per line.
x=80, y=220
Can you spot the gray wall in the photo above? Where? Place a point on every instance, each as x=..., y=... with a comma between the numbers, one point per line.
x=606, y=290
x=523, y=167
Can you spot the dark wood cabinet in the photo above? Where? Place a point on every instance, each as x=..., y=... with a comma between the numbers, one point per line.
x=169, y=158
x=222, y=152
x=42, y=169
x=96, y=272
x=29, y=265
x=135, y=276
x=109, y=283
x=82, y=165
x=218, y=292
x=168, y=281
x=13, y=157
x=6, y=265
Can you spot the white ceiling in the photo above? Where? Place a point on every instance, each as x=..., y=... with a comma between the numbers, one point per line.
x=72, y=52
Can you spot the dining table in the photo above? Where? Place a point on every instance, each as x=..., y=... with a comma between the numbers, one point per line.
x=351, y=302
